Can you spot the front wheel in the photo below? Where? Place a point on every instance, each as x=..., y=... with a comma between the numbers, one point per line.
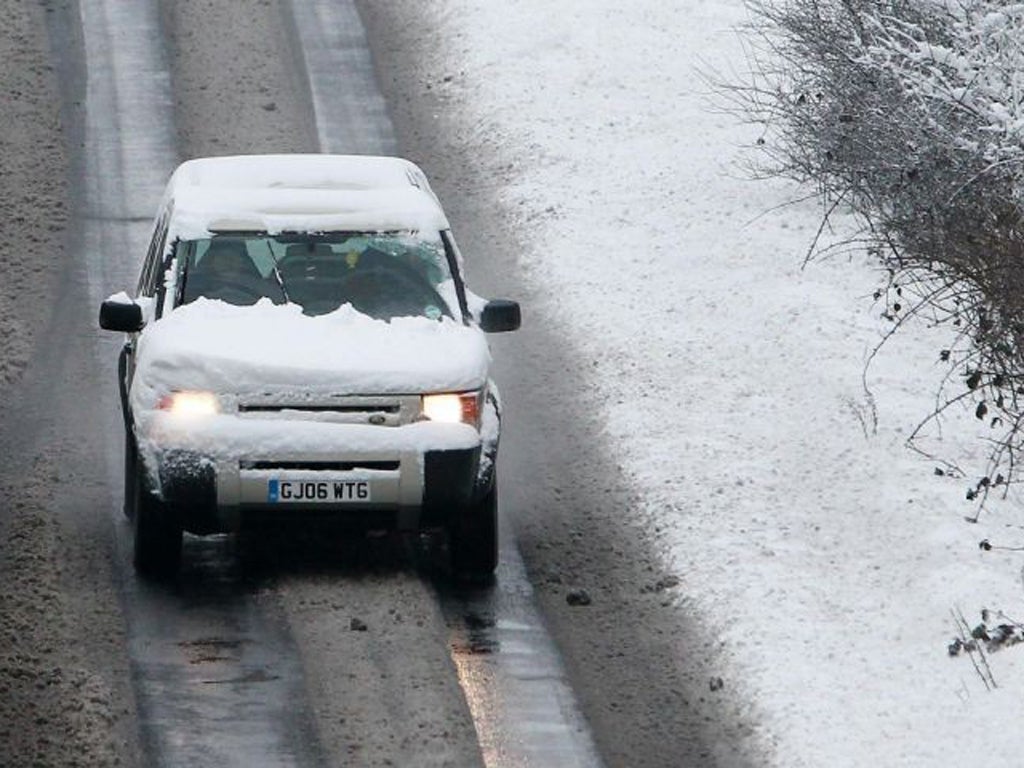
x=157, y=535
x=131, y=471
x=473, y=538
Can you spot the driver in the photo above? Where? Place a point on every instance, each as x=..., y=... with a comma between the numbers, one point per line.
x=228, y=260
x=226, y=272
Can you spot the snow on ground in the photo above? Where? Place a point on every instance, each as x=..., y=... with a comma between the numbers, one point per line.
x=826, y=556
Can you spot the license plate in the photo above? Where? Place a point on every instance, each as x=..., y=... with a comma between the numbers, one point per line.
x=317, y=491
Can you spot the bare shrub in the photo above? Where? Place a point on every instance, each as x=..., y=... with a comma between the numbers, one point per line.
x=910, y=115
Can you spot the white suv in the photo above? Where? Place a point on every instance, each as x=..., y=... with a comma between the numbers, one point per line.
x=302, y=343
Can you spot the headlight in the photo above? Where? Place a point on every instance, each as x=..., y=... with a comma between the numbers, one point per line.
x=453, y=408
x=190, y=404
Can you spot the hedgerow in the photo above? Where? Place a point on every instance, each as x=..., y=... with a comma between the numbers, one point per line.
x=909, y=115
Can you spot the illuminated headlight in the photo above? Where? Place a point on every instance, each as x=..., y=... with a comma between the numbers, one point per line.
x=190, y=404
x=453, y=408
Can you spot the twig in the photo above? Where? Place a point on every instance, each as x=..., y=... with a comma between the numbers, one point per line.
x=964, y=630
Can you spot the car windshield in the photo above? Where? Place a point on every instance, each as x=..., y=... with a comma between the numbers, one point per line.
x=383, y=275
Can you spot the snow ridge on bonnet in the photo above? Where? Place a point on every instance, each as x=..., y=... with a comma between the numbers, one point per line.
x=248, y=349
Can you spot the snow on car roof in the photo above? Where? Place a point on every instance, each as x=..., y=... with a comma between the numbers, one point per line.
x=299, y=193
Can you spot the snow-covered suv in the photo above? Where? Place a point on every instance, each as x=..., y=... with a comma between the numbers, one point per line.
x=302, y=343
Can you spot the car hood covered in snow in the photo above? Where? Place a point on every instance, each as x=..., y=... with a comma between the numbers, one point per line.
x=211, y=345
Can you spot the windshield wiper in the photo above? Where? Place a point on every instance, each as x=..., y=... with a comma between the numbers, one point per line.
x=277, y=274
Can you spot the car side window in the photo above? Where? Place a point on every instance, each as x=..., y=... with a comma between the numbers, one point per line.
x=152, y=267
x=160, y=265
x=147, y=264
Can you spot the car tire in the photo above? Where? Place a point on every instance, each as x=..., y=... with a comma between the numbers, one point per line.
x=473, y=539
x=131, y=462
x=157, y=535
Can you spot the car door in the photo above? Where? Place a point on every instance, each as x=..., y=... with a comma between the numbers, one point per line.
x=150, y=287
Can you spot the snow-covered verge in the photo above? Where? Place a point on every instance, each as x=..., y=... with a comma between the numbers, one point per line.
x=28, y=142
x=825, y=555
x=56, y=707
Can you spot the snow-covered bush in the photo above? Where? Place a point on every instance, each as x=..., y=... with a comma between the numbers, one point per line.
x=910, y=114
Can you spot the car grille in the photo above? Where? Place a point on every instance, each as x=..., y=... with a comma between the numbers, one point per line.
x=385, y=411
x=321, y=466
x=320, y=408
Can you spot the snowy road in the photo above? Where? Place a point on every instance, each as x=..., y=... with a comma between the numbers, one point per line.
x=250, y=665
x=688, y=436
x=218, y=678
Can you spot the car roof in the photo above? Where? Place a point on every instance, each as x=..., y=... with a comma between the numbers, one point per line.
x=297, y=193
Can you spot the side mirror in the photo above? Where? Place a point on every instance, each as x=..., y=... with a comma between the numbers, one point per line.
x=500, y=315
x=119, y=313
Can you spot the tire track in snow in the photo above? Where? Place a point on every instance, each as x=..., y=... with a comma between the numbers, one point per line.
x=216, y=677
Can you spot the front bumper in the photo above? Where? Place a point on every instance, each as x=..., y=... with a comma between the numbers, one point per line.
x=217, y=478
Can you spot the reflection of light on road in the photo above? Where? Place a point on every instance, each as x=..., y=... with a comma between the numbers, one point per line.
x=218, y=680
x=523, y=709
